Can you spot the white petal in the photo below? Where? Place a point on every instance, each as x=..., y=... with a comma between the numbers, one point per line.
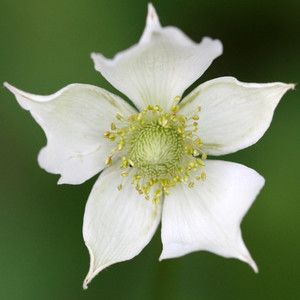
x=161, y=66
x=208, y=216
x=234, y=114
x=117, y=224
x=74, y=120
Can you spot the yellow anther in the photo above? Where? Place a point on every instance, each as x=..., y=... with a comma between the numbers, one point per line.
x=151, y=182
x=109, y=135
x=195, y=117
x=191, y=184
x=200, y=162
x=121, y=144
x=120, y=186
x=177, y=99
x=124, y=163
x=204, y=156
x=174, y=118
x=157, y=192
x=196, y=152
x=189, y=149
x=113, y=126
x=180, y=130
x=203, y=175
x=145, y=189
x=198, y=142
x=163, y=121
x=181, y=118
x=119, y=116
x=106, y=134
x=121, y=131
x=157, y=108
x=131, y=162
x=164, y=182
x=175, y=108
x=137, y=176
x=108, y=161
x=139, y=116
x=191, y=166
x=124, y=174
x=177, y=178
x=156, y=200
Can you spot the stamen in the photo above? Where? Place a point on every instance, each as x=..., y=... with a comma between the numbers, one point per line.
x=108, y=161
x=159, y=149
x=177, y=99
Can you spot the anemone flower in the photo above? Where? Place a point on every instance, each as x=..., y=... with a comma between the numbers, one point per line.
x=153, y=155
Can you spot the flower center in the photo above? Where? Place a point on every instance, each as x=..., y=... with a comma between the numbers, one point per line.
x=156, y=150
x=163, y=148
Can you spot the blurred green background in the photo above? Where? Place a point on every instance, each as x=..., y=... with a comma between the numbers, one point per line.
x=44, y=46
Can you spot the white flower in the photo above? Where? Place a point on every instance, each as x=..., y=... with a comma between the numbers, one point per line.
x=159, y=152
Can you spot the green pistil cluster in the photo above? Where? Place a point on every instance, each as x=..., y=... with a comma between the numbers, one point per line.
x=162, y=147
x=156, y=150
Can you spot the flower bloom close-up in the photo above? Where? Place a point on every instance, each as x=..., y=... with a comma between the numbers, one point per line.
x=154, y=154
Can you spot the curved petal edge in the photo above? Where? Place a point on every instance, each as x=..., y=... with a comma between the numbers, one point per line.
x=208, y=216
x=234, y=115
x=74, y=120
x=160, y=67
x=117, y=224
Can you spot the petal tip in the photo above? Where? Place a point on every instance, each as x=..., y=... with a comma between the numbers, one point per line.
x=60, y=181
x=170, y=251
x=291, y=86
x=152, y=17
x=10, y=87
x=21, y=96
x=214, y=44
x=219, y=46
x=152, y=23
x=250, y=261
x=94, y=57
x=285, y=87
x=91, y=273
x=85, y=283
x=89, y=277
x=161, y=257
x=252, y=264
x=99, y=61
x=259, y=180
